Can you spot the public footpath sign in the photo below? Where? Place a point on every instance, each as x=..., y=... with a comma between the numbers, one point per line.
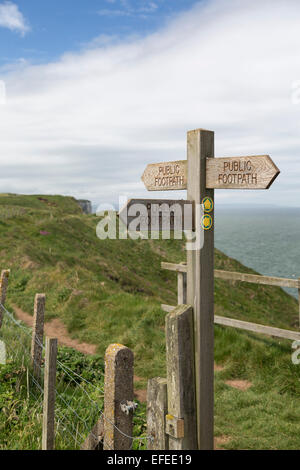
x=256, y=172
x=200, y=175
x=168, y=176
x=253, y=172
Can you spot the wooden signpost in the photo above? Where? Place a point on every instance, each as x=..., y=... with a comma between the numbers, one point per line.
x=200, y=174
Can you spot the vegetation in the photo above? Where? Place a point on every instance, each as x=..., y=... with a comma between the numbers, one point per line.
x=109, y=291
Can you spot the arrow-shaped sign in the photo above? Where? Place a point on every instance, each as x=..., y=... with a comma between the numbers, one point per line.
x=254, y=172
x=166, y=176
x=157, y=215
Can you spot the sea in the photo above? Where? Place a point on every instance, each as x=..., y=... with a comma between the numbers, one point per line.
x=266, y=239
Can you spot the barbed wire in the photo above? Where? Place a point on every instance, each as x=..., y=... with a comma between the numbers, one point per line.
x=74, y=427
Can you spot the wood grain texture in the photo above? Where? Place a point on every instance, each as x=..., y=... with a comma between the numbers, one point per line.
x=157, y=408
x=94, y=441
x=256, y=279
x=256, y=328
x=181, y=288
x=167, y=176
x=118, y=389
x=180, y=268
x=243, y=277
x=243, y=325
x=200, y=287
x=48, y=438
x=181, y=377
x=253, y=172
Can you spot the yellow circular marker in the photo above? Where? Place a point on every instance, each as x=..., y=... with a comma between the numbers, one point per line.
x=206, y=222
x=208, y=204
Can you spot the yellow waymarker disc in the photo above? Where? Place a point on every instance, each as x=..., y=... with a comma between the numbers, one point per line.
x=208, y=204
x=206, y=222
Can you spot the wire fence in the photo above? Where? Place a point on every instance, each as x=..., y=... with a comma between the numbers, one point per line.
x=79, y=395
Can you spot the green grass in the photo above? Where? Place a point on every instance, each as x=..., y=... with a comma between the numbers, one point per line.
x=110, y=291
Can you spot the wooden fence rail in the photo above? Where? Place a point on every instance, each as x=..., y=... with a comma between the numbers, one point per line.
x=243, y=277
x=181, y=269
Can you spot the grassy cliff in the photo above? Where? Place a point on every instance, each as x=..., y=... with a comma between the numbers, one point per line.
x=111, y=291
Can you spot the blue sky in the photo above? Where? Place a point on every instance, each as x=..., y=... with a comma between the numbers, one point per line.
x=57, y=26
x=92, y=91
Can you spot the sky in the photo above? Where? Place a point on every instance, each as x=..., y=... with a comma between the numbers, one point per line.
x=92, y=91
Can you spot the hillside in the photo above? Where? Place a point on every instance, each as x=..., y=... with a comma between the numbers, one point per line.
x=111, y=291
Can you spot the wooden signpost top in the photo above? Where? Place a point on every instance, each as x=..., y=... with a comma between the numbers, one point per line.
x=254, y=172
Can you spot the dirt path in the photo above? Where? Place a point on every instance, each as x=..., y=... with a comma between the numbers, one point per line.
x=56, y=329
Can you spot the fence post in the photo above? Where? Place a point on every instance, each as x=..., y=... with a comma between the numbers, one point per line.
x=118, y=398
x=38, y=333
x=3, y=290
x=94, y=441
x=181, y=288
x=181, y=420
x=157, y=409
x=48, y=440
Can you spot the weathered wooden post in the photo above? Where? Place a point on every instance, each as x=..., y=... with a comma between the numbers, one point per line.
x=181, y=288
x=157, y=410
x=118, y=398
x=38, y=333
x=181, y=420
x=200, y=286
x=48, y=439
x=94, y=441
x=3, y=289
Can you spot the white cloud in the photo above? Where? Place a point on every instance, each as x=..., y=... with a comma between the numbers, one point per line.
x=88, y=124
x=109, y=12
x=12, y=18
x=144, y=9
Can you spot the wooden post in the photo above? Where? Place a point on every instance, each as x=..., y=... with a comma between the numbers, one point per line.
x=181, y=420
x=157, y=409
x=118, y=394
x=94, y=441
x=181, y=289
x=3, y=290
x=200, y=286
x=38, y=333
x=48, y=440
